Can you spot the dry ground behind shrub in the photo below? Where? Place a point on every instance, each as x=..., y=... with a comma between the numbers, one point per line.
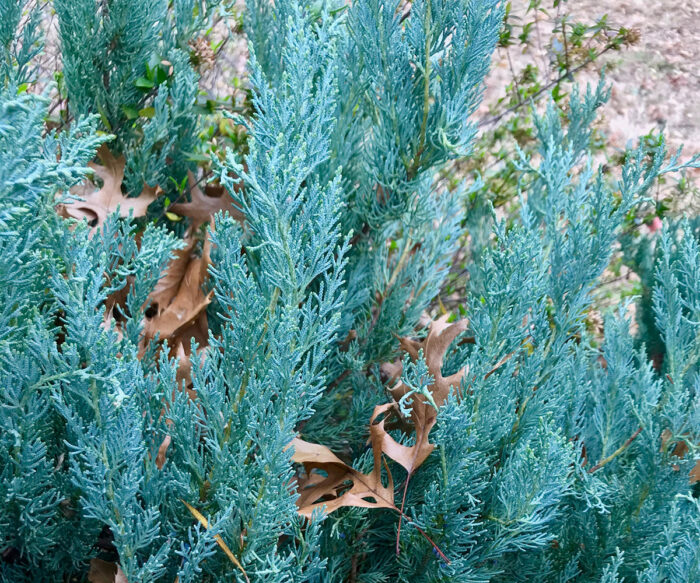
x=656, y=82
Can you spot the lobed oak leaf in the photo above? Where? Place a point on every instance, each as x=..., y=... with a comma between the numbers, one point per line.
x=424, y=409
x=171, y=279
x=177, y=306
x=97, y=203
x=423, y=413
x=341, y=485
x=331, y=484
x=410, y=457
x=204, y=204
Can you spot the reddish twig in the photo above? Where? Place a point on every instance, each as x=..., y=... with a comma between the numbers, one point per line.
x=617, y=452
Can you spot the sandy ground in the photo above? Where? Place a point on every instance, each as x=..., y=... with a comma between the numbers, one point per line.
x=656, y=82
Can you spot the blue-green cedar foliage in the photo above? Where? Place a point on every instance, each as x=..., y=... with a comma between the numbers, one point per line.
x=567, y=462
x=73, y=442
x=19, y=44
x=129, y=62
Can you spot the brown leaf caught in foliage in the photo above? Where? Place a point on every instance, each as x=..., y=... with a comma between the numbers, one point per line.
x=423, y=413
x=97, y=202
x=104, y=572
x=162, y=451
x=204, y=204
x=175, y=309
x=178, y=300
x=341, y=485
x=330, y=483
x=177, y=305
x=115, y=302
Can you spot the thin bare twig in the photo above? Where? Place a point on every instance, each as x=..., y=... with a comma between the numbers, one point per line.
x=616, y=453
x=496, y=118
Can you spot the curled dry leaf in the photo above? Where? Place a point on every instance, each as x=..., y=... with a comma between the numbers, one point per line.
x=423, y=413
x=330, y=482
x=105, y=572
x=177, y=305
x=116, y=301
x=204, y=204
x=162, y=451
x=341, y=485
x=175, y=310
x=97, y=202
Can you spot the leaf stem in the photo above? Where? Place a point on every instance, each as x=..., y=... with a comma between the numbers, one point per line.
x=401, y=514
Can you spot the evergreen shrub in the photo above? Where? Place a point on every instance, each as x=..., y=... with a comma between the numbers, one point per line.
x=254, y=389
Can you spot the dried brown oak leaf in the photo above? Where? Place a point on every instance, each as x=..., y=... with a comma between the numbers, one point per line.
x=330, y=483
x=423, y=413
x=339, y=484
x=177, y=306
x=104, y=572
x=204, y=204
x=97, y=202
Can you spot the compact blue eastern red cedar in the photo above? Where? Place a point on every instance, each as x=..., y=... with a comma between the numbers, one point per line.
x=313, y=430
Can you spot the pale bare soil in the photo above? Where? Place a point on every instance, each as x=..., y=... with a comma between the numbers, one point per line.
x=655, y=83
